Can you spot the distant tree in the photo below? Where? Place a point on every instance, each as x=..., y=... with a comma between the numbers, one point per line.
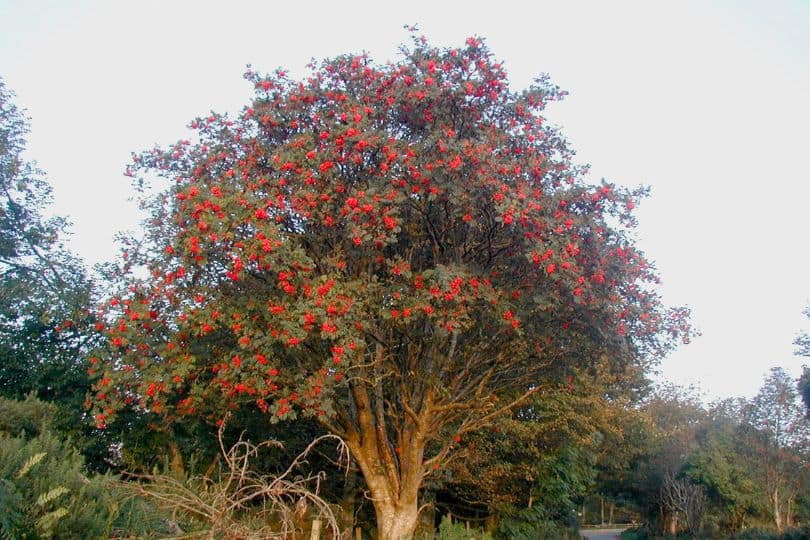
x=44, y=289
x=676, y=414
x=722, y=467
x=804, y=388
x=802, y=342
x=779, y=440
x=399, y=251
x=541, y=456
x=803, y=348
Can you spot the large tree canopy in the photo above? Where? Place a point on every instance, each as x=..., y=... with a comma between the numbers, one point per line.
x=399, y=250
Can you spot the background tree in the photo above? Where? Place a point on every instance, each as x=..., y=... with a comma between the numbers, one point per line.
x=44, y=289
x=532, y=466
x=803, y=348
x=804, y=388
x=779, y=439
x=398, y=251
x=719, y=463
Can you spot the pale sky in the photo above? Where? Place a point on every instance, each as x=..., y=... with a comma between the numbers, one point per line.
x=707, y=102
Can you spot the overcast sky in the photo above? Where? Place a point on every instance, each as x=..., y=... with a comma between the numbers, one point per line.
x=707, y=102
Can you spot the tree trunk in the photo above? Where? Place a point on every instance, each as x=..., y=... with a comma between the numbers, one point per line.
x=348, y=501
x=177, y=467
x=610, y=515
x=396, y=521
x=789, y=512
x=394, y=487
x=602, y=510
x=777, y=515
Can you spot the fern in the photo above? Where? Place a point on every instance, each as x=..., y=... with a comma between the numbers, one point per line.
x=46, y=523
x=30, y=464
x=11, y=515
x=51, y=495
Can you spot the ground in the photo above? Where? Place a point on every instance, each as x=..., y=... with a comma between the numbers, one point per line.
x=601, y=534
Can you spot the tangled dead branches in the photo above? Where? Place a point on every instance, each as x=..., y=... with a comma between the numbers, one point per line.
x=241, y=504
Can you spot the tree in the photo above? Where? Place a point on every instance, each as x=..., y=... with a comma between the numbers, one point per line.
x=541, y=457
x=721, y=466
x=44, y=289
x=802, y=343
x=670, y=503
x=779, y=438
x=399, y=251
x=804, y=388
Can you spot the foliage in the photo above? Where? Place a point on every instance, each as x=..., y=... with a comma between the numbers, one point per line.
x=27, y=417
x=804, y=388
x=764, y=534
x=543, y=453
x=719, y=464
x=636, y=533
x=399, y=251
x=778, y=441
x=46, y=495
x=531, y=523
x=748, y=456
x=44, y=289
x=458, y=531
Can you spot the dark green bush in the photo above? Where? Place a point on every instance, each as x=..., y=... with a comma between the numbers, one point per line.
x=532, y=523
x=800, y=533
x=44, y=491
x=458, y=531
x=25, y=417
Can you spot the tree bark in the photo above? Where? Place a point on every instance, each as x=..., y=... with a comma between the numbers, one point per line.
x=602, y=510
x=396, y=520
x=789, y=512
x=393, y=478
x=348, y=502
x=777, y=515
x=176, y=464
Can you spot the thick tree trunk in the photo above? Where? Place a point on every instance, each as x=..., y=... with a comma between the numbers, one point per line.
x=393, y=476
x=396, y=509
x=396, y=521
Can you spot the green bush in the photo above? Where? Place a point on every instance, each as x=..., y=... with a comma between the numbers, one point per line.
x=44, y=492
x=801, y=533
x=458, y=531
x=535, y=522
x=26, y=417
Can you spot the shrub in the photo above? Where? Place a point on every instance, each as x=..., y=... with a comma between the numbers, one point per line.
x=25, y=417
x=800, y=533
x=44, y=492
x=458, y=531
x=535, y=522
